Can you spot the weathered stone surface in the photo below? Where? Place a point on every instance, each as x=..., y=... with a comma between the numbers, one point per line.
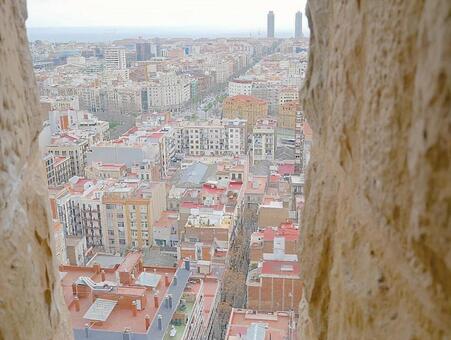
x=31, y=303
x=376, y=250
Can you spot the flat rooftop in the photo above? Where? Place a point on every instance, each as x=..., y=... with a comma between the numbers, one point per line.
x=121, y=316
x=276, y=324
x=106, y=260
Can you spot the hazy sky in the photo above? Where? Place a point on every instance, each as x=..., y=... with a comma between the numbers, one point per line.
x=226, y=15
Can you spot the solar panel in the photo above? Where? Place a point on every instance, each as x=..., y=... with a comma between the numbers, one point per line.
x=100, y=310
x=148, y=279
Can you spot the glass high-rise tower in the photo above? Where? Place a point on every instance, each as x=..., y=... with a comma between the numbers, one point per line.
x=270, y=25
x=298, y=25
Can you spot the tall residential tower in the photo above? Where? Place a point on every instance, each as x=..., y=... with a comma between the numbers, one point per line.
x=298, y=25
x=270, y=25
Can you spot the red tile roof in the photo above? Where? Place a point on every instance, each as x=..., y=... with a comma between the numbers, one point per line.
x=290, y=234
x=285, y=268
x=212, y=189
x=286, y=169
x=246, y=99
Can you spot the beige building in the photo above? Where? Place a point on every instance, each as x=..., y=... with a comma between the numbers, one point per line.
x=272, y=214
x=245, y=107
x=288, y=94
x=59, y=242
x=286, y=117
x=100, y=170
x=129, y=210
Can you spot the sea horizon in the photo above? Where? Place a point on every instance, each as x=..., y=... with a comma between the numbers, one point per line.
x=112, y=33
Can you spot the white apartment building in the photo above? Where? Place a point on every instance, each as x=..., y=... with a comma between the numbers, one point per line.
x=168, y=91
x=211, y=138
x=240, y=86
x=264, y=140
x=58, y=169
x=288, y=94
x=61, y=103
x=115, y=59
x=71, y=146
x=78, y=207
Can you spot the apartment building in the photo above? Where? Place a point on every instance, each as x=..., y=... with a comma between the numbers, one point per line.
x=240, y=87
x=131, y=207
x=92, y=99
x=60, y=103
x=166, y=91
x=264, y=140
x=267, y=90
x=274, y=282
x=58, y=169
x=78, y=206
x=286, y=118
x=263, y=240
x=212, y=138
x=100, y=170
x=254, y=192
x=115, y=58
x=207, y=225
x=123, y=99
x=288, y=94
x=143, y=51
x=72, y=146
x=248, y=108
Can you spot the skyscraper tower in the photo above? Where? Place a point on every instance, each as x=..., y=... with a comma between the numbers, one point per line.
x=270, y=25
x=298, y=25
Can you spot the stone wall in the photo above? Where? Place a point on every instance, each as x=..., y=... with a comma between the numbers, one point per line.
x=376, y=250
x=31, y=303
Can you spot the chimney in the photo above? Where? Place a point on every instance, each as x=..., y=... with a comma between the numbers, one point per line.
x=147, y=320
x=187, y=264
x=74, y=289
x=97, y=268
x=166, y=279
x=127, y=334
x=166, y=301
x=77, y=303
x=174, y=280
x=155, y=300
x=102, y=273
x=160, y=322
x=86, y=330
x=134, y=309
x=170, y=300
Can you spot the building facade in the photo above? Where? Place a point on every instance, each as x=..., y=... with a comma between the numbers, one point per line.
x=270, y=25
x=245, y=107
